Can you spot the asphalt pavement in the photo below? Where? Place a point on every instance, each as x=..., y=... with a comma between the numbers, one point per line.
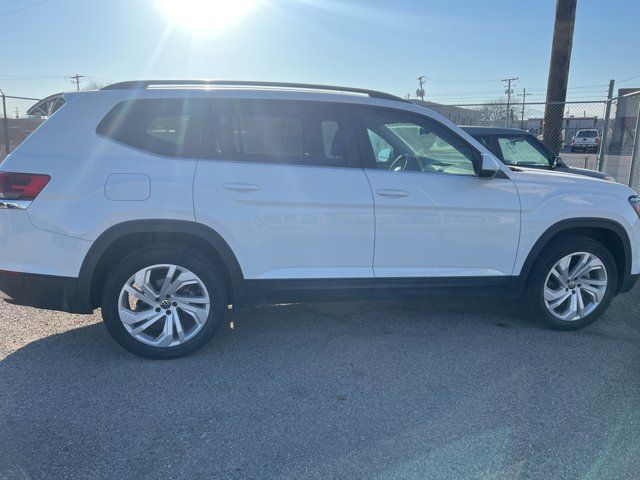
x=421, y=389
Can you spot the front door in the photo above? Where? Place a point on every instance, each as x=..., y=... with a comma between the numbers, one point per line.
x=435, y=217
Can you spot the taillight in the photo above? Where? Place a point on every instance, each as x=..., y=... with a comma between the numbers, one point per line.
x=573, y=140
x=21, y=186
x=597, y=140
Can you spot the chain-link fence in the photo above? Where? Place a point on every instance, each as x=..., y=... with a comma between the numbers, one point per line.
x=620, y=149
x=593, y=134
x=15, y=122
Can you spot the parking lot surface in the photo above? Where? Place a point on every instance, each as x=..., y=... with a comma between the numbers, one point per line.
x=426, y=389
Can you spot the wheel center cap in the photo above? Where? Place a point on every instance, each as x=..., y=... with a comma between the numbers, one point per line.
x=165, y=303
x=572, y=285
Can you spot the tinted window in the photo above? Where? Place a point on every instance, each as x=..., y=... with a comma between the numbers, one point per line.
x=406, y=142
x=160, y=126
x=587, y=133
x=519, y=150
x=486, y=142
x=297, y=133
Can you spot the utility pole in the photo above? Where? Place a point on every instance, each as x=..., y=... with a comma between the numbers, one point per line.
x=524, y=97
x=509, y=91
x=605, y=127
x=5, y=124
x=420, y=91
x=76, y=79
x=558, y=73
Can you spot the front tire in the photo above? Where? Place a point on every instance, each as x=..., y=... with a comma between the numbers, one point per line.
x=163, y=302
x=572, y=283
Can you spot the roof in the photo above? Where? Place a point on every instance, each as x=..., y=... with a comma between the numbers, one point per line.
x=493, y=130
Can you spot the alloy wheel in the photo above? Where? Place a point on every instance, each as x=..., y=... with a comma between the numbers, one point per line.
x=164, y=305
x=575, y=286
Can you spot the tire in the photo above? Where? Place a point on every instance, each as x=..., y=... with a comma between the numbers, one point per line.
x=182, y=328
x=542, y=277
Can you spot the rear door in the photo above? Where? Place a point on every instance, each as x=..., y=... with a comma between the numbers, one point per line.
x=282, y=183
x=435, y=218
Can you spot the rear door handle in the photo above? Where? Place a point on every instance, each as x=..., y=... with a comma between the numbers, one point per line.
x=242, y=187
x=392, y=193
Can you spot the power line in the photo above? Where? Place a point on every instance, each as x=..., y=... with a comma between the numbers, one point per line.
x=22, y=8
x=461, y=81
x=4, y=4
x=628, y=79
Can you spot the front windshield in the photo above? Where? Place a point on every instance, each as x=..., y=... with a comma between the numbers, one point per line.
x=519, y=150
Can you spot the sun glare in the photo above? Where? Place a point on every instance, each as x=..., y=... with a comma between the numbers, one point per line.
x=205, y=17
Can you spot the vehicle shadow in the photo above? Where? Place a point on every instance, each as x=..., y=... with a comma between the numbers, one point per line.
x=431, y=388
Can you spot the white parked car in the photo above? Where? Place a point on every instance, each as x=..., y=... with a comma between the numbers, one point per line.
x=165, y=202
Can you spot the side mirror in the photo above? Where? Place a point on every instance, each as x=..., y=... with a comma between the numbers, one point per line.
x=489, y=167
x=557, y=162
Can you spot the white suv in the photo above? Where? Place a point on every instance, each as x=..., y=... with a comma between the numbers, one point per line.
x=166, y=202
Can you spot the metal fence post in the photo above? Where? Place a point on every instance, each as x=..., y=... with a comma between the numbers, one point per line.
x=635, y=151
x=5, y=122
x=605, y=128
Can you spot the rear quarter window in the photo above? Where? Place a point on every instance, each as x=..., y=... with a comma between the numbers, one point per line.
x=168, y=127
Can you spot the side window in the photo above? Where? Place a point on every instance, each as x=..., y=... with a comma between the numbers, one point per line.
x=289, y=132
x=405, y=142
x=486, y=142
x=162, y=126
x=382, y=151
x=170, y=129
x=518, y=150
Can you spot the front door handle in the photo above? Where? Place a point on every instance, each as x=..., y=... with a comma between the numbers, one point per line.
x=242, y=187
x=392, y=193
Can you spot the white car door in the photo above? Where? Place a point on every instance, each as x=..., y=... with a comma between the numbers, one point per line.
x=282, y=183
x=435, y=218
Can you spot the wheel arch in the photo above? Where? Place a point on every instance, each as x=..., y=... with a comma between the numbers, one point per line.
x=609, y=232
x=133, y=234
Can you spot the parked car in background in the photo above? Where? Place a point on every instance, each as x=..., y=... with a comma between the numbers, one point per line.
x=519, y=148
x=166, y=202
x=587, y=140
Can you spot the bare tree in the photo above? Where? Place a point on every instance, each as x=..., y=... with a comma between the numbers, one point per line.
x=94, y=85
x=494, y=111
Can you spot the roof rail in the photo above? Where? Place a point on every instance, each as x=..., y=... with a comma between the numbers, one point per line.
x=143, y=84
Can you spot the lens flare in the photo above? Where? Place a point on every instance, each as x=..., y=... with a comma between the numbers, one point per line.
x=205, y=17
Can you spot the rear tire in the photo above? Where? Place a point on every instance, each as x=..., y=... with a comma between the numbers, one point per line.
x=153, y=317
x=559, y=296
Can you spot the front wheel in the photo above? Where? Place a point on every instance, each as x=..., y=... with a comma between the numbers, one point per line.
x=163, y=302
x=572, y=283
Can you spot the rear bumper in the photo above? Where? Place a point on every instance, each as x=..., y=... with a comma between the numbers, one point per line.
x=40, y=291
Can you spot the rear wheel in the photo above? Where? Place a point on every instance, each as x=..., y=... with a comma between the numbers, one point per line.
x=163, y=302
x=572, y=283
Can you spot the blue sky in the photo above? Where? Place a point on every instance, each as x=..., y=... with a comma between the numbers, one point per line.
x=463, y=47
